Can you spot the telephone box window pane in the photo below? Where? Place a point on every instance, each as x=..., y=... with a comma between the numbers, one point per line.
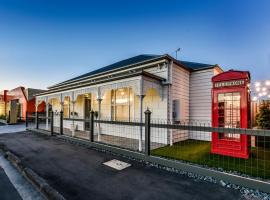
x=229, y=113
x=221, y=97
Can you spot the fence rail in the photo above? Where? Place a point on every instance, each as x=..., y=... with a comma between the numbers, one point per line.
x=187, y=126
x=188, y=143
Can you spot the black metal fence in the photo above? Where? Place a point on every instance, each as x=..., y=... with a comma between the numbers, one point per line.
x=30, y=120
x=39, y=121
x=193, y=144
x=186, y=142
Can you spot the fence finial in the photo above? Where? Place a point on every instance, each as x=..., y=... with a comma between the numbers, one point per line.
x=147, y=111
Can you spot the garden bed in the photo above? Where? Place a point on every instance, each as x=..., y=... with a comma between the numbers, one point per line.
x=194, y=151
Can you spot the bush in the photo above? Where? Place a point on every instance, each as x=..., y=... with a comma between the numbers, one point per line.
x=263, y=117
x=3, y=117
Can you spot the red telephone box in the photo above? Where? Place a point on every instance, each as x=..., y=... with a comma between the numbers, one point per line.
x=231, y=109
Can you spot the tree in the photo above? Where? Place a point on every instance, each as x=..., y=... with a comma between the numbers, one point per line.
x=263, y=117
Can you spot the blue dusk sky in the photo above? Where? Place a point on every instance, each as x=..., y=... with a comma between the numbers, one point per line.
x=45, y=42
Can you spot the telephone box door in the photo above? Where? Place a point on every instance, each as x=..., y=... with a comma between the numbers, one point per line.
x=230, y=109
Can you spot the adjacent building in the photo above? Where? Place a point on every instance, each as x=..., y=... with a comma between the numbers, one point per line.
x=16, y=102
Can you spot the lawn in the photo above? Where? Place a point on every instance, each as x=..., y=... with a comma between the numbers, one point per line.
x=198, y=152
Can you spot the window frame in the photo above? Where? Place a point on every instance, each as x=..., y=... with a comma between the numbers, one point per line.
x=114, y=104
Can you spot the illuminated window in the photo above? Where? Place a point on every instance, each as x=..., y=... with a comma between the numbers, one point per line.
x=66, y=108
x=121, y=101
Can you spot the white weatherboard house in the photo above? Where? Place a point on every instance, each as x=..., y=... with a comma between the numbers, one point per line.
x=173, y=90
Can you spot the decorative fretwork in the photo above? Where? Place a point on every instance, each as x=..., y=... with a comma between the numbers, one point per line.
x=134, y=84
x=92, y=90
x=140, y=85
x=151, y=84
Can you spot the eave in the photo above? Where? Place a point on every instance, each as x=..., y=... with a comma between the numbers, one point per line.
x=110, y=78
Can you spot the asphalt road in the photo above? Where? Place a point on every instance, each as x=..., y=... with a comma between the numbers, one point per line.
x=7, y=190
x=78, y=173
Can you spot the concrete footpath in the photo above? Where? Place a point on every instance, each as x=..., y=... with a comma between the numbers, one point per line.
x=79, y=173
x=11, y=128
x=7, y=190
x=21, y=186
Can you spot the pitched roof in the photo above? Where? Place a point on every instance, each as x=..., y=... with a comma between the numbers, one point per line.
x=122, y=63
x=136, y=60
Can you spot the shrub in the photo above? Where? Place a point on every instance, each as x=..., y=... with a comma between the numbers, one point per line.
x=3, y=117
x=263, y=117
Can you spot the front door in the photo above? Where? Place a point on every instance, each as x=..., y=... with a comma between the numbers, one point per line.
x=87, y=109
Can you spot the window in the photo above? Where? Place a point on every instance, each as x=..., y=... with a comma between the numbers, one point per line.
x=229, y=113
x=66, y=108
x=121, y=101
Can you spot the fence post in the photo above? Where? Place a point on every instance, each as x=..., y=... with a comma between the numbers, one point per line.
x=61, y=122
x=26, y=119
x=9, y=117
x=37, y=120
x=91, y=133
x=51, y=123
x=147, y=131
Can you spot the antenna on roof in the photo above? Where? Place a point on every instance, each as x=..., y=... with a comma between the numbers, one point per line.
x=176, y=51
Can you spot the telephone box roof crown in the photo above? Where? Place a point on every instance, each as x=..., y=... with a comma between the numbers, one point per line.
x=231, y=75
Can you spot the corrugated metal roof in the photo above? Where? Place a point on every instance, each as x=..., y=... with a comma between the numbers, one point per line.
x=135, y=60
x=196, y=66
x=122, y=63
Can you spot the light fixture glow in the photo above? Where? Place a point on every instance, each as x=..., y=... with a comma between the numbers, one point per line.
x=257, y=84
x=258, y=89
x=260, y=94
x=267, y=83
x=264, y=93
x=263, y=89
x=254, y=98
x=121, y=101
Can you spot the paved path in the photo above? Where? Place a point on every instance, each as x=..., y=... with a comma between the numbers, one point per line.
x=12, y=128
x=13, y=185
x=7, y=190
x=24, y=188
x=79, y=173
